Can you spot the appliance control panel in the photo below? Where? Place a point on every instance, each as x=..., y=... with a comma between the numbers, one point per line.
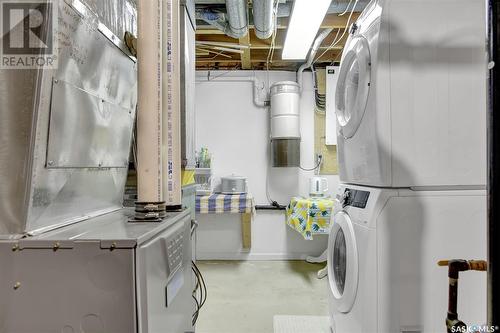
x=355, y=198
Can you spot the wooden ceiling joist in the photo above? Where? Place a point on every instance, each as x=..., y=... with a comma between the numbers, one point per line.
x=330, y=21
x=258, y=56
x=246, y=61
x=255, y=56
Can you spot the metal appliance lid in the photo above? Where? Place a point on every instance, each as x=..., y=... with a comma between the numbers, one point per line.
x=113, y=230
x=234, y=177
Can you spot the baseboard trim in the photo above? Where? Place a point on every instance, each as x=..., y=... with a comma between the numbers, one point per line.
x=242, y=256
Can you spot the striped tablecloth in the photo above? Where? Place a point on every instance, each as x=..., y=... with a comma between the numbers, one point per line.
x=225, y=203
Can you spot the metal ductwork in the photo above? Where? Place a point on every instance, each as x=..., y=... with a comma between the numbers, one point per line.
x=312, y=54
x=263, y=18
x=234, y=23
x=237, y=17
x=336, y=7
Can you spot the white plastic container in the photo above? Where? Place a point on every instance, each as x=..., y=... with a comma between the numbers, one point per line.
x=203, y=177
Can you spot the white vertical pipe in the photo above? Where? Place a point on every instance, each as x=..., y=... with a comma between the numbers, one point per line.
x=171, y=104
x=149, y=116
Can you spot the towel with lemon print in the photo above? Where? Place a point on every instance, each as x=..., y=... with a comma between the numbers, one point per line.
x=309, y=216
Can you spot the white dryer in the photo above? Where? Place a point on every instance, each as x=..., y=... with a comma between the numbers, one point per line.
x=382, y=259
x=411, y=95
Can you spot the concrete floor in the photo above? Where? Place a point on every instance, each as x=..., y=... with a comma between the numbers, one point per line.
x=243, y=297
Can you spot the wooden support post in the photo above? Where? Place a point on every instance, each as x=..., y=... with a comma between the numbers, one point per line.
x=246, y=230
x=246, y=61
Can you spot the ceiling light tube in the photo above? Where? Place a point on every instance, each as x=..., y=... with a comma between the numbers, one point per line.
x=304, y=24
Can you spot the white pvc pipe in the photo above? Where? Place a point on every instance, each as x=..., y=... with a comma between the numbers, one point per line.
x=257, y=86
x=171, y=104
x=149, y=116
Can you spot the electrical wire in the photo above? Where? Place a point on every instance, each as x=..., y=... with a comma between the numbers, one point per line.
x=134, y=143
x=346, y=8
x=202, y=287
x=195, y=314
x=320, y=160
x=319, y=99
x=209, y=75
x=268, y=195
x=336, y=58
x=200, y=284
x=221, y=53
x=335, y=42
x=270, y=54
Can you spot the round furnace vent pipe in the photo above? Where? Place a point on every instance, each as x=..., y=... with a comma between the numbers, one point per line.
x=263, y=18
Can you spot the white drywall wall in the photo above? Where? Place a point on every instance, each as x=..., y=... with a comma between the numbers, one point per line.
x=236, y=132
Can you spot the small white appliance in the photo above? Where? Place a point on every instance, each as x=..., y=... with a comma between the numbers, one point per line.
x=411, y=97
x=318, y=186
x=383, y=250
x=233, y=185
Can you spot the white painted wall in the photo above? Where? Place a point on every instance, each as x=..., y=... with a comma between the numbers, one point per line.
x=236, y=132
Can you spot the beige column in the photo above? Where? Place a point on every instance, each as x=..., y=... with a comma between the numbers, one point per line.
x=149, y=116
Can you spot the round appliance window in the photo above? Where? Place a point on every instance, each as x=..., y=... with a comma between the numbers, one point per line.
x=339, y=261
x=353, y=86
x=349, y=95
x=342, y=262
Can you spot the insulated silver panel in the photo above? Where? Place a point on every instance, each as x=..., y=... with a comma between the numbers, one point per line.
x=34, y=197
x=16, y=128
x=86, y=130
x=117, y=15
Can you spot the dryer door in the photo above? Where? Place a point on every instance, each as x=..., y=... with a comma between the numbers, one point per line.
x=343, y=262
x=353, y=86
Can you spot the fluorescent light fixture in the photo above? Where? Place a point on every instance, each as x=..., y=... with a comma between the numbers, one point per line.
x=305, y=21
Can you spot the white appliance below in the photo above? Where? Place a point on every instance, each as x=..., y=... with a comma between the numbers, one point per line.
x=382, y=259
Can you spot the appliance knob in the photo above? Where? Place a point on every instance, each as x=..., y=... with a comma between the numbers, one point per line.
x=345, y=198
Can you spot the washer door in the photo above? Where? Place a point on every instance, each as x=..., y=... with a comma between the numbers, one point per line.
x=353, y=86
x=343, y=262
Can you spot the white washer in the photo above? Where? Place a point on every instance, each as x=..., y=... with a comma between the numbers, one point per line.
x=411, y=95
x=382, y=259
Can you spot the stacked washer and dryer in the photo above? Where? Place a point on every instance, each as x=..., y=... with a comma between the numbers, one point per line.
x=411, y=119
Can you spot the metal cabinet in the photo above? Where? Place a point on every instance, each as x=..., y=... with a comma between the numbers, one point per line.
x=102, y=275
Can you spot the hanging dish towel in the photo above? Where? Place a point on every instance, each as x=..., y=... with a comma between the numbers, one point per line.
x=309, y=215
